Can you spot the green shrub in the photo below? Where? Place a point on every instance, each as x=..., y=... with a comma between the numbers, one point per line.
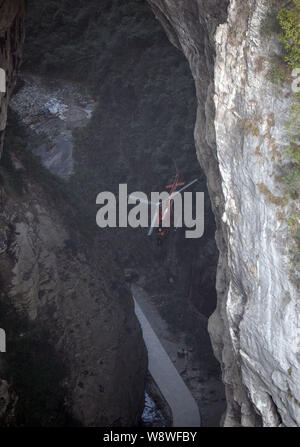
x=293, y=126
x=283, y=19
x=278, y=71
x=292, y=178
x=289, y=20
x=270, y=24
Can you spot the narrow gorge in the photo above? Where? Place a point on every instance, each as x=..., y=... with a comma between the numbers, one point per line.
x=240, y=137
x=116, y=92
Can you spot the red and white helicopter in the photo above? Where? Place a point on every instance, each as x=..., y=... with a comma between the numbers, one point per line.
x=164, y=208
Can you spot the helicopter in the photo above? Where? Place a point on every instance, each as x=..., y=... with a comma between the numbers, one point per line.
x=164, y=208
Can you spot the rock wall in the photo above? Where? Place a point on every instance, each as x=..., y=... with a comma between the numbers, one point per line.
x=140, y=155
x=240, y=140
x=76, y=292
x=12, y=33
x=61, y=278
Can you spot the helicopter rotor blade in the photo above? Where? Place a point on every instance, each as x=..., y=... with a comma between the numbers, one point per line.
x=153, y=223
x=177, y=192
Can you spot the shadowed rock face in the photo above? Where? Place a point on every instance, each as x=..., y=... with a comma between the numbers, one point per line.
x=255, y=327
x=131, y=138
x=52, y=111
x=77, y=294
x=57, y=279
x=12, y=33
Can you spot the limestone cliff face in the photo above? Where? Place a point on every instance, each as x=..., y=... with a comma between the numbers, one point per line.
x=63, y=281
x=240, y=139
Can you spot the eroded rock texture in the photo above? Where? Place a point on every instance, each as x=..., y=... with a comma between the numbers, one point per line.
x=51, y=274
x=57, y=277
x=12, y=32
x=240, y=139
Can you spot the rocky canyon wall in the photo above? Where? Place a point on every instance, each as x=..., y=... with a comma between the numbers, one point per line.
x=240, y=139
x=74, y=346
x=12, y=32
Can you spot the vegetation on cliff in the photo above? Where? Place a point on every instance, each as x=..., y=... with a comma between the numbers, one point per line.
x=283, y=20
x=289, y=20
